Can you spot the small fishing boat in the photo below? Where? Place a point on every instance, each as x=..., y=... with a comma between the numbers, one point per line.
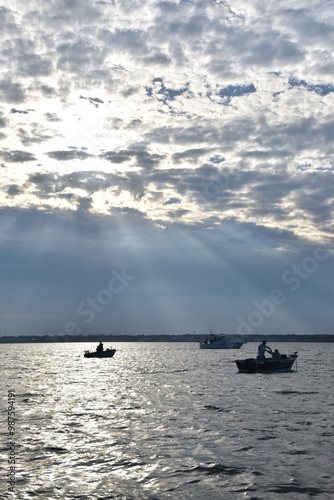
x=221, y=342
x=108, y=353
x=269, y=365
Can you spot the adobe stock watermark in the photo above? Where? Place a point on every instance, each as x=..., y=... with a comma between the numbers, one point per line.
x=89, y=308
x=292, y=277
x=213, y=188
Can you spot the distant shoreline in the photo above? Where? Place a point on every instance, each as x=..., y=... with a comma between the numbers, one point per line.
x=44, y=339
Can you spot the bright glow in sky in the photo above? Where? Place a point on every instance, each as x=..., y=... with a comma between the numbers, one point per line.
x=190, y=141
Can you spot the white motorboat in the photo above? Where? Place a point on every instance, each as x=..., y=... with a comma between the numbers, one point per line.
x=221, y=342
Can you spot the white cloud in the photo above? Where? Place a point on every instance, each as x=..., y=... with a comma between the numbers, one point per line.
x=155, y=90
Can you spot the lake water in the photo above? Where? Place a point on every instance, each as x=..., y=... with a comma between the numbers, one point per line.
x=166, y=421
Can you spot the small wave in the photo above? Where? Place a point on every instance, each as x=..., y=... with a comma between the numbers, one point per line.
x=266, y=438
x=297, y=452
x=287, y=392
x=172, y=371
x=55, y=449
x=295, y=488
x=214, y=408
x=30, y=395
x=213, y=469
x=245, y=448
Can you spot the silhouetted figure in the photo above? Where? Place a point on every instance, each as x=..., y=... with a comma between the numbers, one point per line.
x=276, y=354
x=99, y=348
x=261, y=351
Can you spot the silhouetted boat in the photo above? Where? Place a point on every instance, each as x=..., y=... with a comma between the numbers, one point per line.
x=269, y=365
x=108, y=353
x=221, y=342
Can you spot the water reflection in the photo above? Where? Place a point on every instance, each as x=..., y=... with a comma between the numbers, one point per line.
x=169, y=421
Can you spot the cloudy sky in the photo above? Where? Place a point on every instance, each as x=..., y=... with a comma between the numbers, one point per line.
x=166, y=167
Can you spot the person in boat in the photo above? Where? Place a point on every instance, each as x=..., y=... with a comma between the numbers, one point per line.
x=261, y=351
x=276, y=354
x=99, y=348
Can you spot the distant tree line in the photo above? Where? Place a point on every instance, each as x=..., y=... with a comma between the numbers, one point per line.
x=29, y=339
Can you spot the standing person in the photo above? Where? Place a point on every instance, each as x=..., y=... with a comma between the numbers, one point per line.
x=261, y=351
x=99, y=348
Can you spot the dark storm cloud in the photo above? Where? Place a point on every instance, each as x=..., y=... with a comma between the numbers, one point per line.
x=52, y=117
x=157, y=59
x=130, y=41
x=79, y=55
x=306, y=134
x=34, y=135
x=90, y=182
x=263, y=155
x=23, y=53
x=47, y=90
x=302, y=22
x=20, y=111
x=7, y=21
x=315, y=197
x=48, y=183
x=14, y=190
x=11, y=91
x=190, y=183
x=3, y=121
x=17, y=156
x=141, y=158
x=192, y=134
x=185, y=182
x=83, y=204
x=35, y=65
x=271, y=51
x=190, y=154
x=118, y=157
x=45, y=183
x=225, y=136
x=93, y=100
x=82, y=13
x=72, y=154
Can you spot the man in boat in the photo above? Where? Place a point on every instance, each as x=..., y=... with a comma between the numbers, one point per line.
x=99, y=348
x=261, y=351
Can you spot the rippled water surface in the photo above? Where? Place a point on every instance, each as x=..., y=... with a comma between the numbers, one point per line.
x=167, y=421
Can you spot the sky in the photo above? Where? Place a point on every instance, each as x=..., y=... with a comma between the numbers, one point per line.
x=166, y=167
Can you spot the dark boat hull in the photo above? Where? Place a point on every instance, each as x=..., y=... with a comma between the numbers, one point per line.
x=105, y=354
x=251, y=365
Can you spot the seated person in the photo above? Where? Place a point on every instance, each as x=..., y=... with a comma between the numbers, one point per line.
x=276, y=354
